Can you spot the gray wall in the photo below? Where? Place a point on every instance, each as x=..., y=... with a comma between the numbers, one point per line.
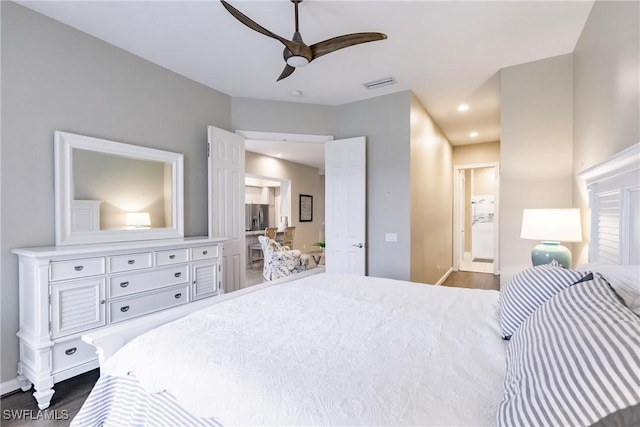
x=606, y=87
x=57, y=78
x=283, y=117
x=385, y=121
x=535, y=150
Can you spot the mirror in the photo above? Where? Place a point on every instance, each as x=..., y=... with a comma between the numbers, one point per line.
x=106, y=191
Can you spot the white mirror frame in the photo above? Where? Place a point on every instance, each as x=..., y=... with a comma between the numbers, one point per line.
x=64, y=143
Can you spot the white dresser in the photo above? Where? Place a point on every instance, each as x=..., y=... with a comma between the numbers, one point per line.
x=66, y=291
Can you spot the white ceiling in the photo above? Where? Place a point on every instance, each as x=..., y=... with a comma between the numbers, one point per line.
x=446, y=52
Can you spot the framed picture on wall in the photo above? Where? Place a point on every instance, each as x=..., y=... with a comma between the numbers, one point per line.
x=306, y=208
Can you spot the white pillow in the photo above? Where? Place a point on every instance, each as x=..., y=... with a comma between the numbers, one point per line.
x=624, y=279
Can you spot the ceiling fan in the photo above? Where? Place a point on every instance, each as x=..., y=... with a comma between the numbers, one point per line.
x=296, y=52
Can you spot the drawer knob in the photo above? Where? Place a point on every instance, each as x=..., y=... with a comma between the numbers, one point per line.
x=178, y=274
x=177, y=296
x=172, y=256
x=205, y=252
x=131, y=261
x=78, y=267
x=124, y=309
x=70, y=351
x=124, y=284
x=103, y=301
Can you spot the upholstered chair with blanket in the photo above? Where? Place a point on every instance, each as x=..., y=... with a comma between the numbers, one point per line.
x=280, y=261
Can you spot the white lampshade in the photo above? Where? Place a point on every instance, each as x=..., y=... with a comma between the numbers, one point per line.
x=558, y=225
x=138, y=219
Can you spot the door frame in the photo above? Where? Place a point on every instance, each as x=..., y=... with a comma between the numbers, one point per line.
x=288, y=197
x=458, y=214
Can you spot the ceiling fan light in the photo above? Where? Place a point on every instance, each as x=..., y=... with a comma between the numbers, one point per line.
x=297, y=61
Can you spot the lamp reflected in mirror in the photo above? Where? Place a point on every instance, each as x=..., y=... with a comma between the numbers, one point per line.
x=138, y=220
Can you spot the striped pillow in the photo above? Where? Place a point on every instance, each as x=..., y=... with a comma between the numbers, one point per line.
x=529, y=289
x=574, y=362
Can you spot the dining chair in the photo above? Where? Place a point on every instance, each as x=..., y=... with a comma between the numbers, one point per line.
x=270, y=232
x=288, y=237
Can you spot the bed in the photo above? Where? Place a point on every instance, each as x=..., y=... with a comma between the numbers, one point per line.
x=554, y=347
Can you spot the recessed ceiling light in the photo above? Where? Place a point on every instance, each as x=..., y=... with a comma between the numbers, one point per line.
x=278, y=155
x=296, y=93
x=473, y=134
x=463, y=107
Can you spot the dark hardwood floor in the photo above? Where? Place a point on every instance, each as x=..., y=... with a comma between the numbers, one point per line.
x=466, y=279
x=20, y=408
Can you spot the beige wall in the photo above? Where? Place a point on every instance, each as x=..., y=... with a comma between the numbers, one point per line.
x=483, y=181
x=606, y=103
x=535, y=150
x=431, y=198
x=304, y=180
x=488, y=152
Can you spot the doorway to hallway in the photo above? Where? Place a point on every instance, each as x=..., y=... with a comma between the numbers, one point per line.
x=476, y=219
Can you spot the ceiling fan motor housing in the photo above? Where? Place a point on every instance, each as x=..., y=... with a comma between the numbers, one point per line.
x=303, y=54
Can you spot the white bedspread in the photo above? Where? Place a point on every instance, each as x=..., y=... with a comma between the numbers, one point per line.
x=331, y=350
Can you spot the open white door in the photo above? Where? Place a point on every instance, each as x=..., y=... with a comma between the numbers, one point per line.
x=345, y=205
x=226, y=202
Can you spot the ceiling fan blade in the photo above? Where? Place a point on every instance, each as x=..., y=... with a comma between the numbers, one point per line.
x=340, y=42
x=288, y=70
x=255, y=26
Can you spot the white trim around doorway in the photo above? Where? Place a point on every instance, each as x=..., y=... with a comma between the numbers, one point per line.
x=458, y=214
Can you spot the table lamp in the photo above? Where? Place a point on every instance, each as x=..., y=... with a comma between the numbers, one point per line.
x=551, y=226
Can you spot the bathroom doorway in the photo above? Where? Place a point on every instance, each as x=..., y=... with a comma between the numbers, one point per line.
x=476, y=224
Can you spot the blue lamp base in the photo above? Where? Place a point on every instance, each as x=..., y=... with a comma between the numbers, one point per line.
x=546, y=252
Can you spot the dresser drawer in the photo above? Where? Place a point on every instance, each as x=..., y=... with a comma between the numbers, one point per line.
x=126, y=284
x=129, y=262
x=204, y=252
x=148, y=303
x=77, y=268
x=172, y=257
x=66, y=355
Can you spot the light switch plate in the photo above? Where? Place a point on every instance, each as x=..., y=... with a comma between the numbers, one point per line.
x=390, y=237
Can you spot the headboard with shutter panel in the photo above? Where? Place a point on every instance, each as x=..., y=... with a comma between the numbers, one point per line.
x=614, y=200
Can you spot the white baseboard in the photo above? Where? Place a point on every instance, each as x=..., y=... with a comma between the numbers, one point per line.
x=443, y=278
x=9, y=386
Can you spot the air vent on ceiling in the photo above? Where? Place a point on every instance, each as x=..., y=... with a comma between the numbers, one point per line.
x=379, y=83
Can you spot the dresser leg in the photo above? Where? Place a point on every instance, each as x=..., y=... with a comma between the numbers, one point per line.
x=23, y=382
x=44, y=397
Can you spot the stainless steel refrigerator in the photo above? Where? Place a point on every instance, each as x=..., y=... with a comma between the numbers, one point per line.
x=256, y=217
